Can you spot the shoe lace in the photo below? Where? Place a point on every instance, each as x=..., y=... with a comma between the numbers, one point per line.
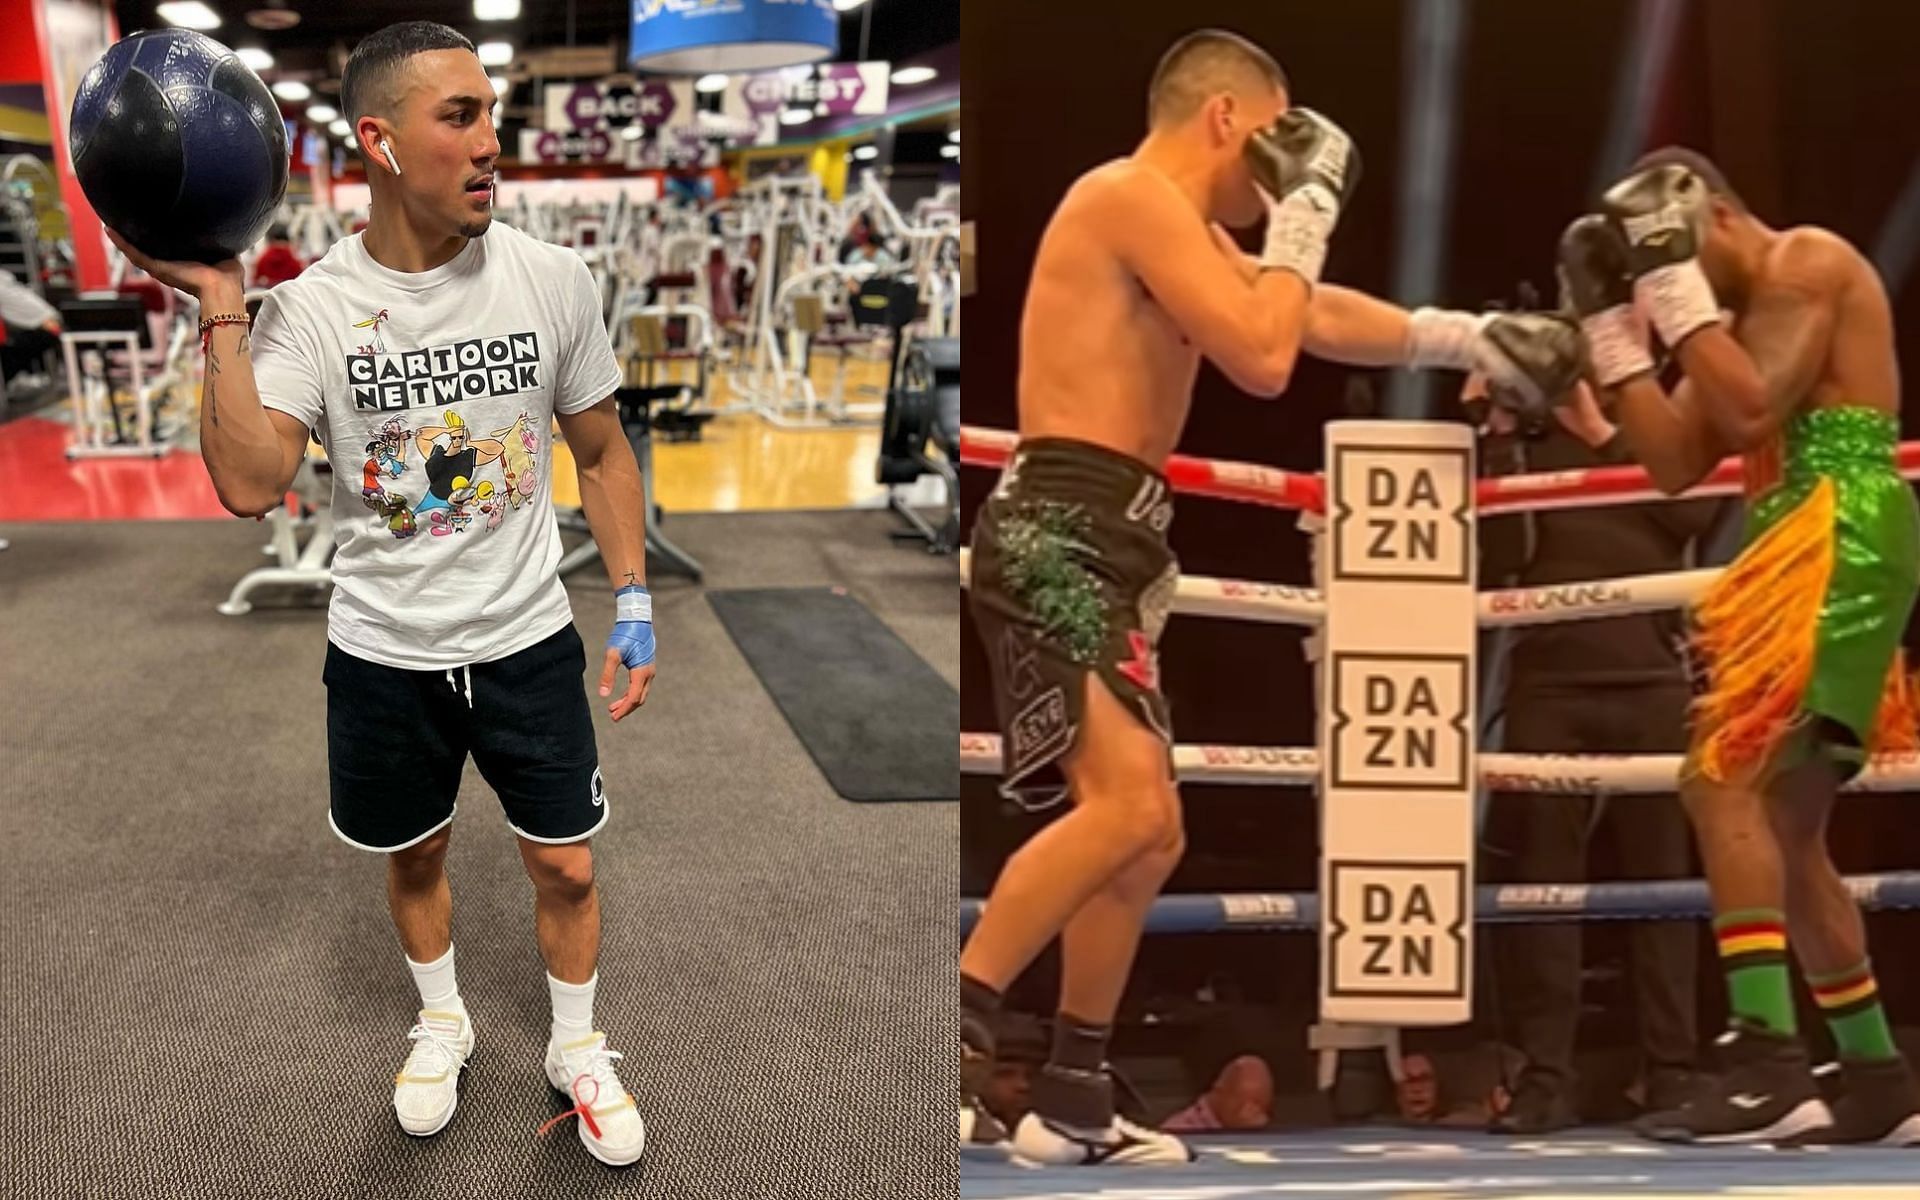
x=598, y=1066
x=433, y=1052
x=593, y=1077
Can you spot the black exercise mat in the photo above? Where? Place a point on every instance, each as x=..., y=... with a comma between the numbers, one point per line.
x=880, y=723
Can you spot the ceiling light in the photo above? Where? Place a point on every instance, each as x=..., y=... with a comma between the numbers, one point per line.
x=340, y=128
x=863, y=153
x=710, y=83
x=950, y=150
x=322, y=113
x=189, y=14
x=255, y=58
x=631, y=133
x=273, y=16
x=908, y=76
x=496, y=10
x=292, y=89
x=954, y=136
x=795, y=116
x=494, y=54
x=500, y=84
x=847, y=5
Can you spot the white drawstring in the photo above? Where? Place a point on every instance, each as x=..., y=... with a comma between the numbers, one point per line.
x=455, y=684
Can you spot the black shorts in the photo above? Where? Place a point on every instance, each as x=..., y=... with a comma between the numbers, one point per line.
x=1071, y=574
x=397, y=741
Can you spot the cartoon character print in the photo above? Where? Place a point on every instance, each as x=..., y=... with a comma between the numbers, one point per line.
x=451, y=459
x=520, y=448
x=395, y=515
x=455, y=517
x=378, y=345
x=386, y=459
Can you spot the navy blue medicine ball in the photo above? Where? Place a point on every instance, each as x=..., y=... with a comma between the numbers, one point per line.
x=179, y=146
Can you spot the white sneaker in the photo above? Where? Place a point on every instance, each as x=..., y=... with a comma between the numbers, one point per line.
x=584, y=1071
x=1121, y=1144
x=427, y=1089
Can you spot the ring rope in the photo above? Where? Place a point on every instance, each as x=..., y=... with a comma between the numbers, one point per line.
x=1252, y=483
x=1284, y=604
x=1672, y=899
x=1548, y=774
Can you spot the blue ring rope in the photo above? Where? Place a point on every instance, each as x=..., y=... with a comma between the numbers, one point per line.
x=1676, y=899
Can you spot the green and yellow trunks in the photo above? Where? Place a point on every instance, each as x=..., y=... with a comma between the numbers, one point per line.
x=1802, y=631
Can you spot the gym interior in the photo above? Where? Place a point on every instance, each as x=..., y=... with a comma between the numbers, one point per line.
x=202, y=992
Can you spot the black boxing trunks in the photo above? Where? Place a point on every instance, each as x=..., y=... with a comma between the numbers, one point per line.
x=1071, y=575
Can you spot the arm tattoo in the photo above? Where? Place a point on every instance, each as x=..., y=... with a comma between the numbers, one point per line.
x=213, y=379
x=632, y=579
x=246, y=341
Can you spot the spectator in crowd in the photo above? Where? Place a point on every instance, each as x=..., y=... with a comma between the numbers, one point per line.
x=1462, y=1090
x=1241, y=1098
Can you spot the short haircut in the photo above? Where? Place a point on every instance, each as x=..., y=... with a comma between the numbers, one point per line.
x=372, y=82
x=1203, y=64
x=1698, y=163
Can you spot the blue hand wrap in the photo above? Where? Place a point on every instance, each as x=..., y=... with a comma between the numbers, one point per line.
x=632, y=632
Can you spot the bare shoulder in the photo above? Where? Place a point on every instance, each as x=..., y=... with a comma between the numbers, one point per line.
x=1811, y=259
x=1120, y=188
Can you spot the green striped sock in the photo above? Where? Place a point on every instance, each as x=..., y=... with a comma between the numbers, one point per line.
x=1850, y=1001
x=1753, y=952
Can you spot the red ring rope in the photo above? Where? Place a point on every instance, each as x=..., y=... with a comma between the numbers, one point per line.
x=1251, y=483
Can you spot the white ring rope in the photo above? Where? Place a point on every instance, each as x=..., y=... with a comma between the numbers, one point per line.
x=1282, y=604
x=1553, y=774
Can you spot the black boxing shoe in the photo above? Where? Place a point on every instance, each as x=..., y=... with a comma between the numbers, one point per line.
x=979, y=1128
x=1764, y=1092
x=1667, y=1088
x=1879, y=1105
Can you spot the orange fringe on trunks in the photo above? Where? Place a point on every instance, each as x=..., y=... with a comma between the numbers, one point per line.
x=1757, y=635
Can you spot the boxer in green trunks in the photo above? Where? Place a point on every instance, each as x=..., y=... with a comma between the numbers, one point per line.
x=1797, y=665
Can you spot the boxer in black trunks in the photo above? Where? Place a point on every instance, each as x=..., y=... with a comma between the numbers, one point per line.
x=1133, y=283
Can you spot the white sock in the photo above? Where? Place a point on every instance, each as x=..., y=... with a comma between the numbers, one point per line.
x=435, y=980
x=572, y=1008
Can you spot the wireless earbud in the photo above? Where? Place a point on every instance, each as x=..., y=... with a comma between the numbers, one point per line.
x=393, y=164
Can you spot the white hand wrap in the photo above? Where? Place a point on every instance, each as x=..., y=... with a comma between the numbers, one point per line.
x=1615, y=346
x=1438, y=337
x=633, y=606
x=1679, y=299
x=1297, y=231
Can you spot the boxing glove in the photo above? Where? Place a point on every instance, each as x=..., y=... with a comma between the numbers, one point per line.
x=1531, y=359
x=1307, y=168
x=1594, y=284
x=1662, y=215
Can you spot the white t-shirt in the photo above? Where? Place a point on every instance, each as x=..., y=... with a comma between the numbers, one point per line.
x=434, y=395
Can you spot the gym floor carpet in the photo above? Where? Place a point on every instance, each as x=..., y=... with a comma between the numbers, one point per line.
x=201, y=993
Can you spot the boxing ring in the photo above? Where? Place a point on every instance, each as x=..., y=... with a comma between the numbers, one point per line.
x=1428, y=1161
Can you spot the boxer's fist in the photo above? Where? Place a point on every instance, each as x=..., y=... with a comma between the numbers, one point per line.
x=1593, y=267
x=1594, y=284
x=1304, y=150
x=1307, y=167
x=1531, y=360
x=1662, y=214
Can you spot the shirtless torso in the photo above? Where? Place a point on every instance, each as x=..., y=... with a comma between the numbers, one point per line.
x=1814, y=288
x=1101, y=360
